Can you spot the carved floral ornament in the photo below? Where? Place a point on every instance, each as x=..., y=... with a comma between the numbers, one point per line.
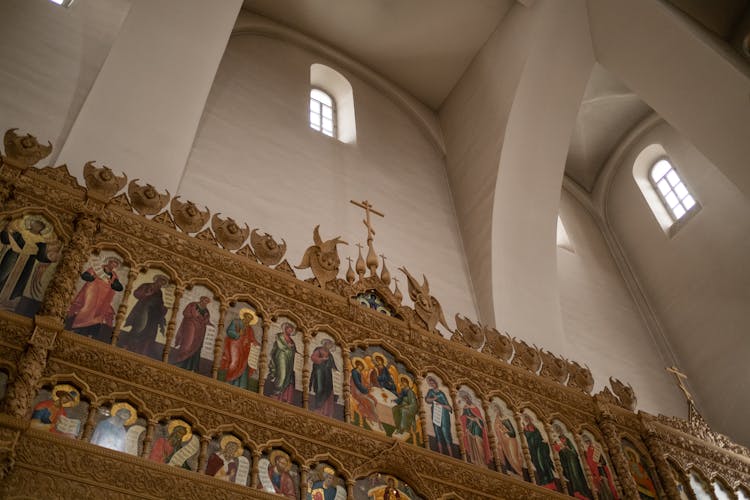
x=527, y=376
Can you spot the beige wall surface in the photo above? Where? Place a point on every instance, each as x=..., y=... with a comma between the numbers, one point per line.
x=507, y=126
x=256, y=159
x=698, y=280
x=50, y=58
x=602, y=324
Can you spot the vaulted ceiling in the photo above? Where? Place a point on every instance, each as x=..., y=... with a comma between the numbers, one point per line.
x=423, y=46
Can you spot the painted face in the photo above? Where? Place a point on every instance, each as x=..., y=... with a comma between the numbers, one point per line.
x=432, y=383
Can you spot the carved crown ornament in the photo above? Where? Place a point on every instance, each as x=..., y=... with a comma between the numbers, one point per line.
x=355, y=316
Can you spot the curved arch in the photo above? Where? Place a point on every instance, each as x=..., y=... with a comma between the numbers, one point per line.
x=332, y=332
x=67, y=378
x=159, y=265
x=283, y=445
x=234, y=430
x=127, y=397
x=181, y=414
x=422, y=116
x=254, y=303
x=286, y=313
x=207, y=283
x=338, y=88
x=127, y=258
x=63, y=231
x=327, y=458
x=364, y=344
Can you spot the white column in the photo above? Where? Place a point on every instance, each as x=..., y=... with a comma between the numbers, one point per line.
x=143, y=110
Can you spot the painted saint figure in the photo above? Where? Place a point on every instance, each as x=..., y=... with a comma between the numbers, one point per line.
x=322, y=485
x=281, y=379
x=604, y=483
x=364, y=403
x=321, y=378
x=165, y=448
x=279, y=475
x=476, y=441
x=29, y=250
x=223, y=464
x=112, y=432
x=643, y=481
x=188, y=342
x=384, y=374
x=52, y=414
x=507, y=440
x=441, y=412
x=405, y=411
x=91, y=313
x=571, y=464
x=146, y=319
x=539, y=451
x=240, y=338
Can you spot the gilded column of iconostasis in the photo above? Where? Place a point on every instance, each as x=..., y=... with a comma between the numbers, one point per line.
x=150, y=349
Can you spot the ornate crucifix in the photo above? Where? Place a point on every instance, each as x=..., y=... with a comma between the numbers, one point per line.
x=372, y=257
x=680, y=377
x=368, y=208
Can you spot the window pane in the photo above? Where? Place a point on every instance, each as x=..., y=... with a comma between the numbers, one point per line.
x=678, y=212
x=321, y=96
x=742, y=495
x=664, y=187
x=660, y=168
x=673, y=178
x=680, y=190
x=671, y=200
x=689, y=202
x=327, y=112
x=328, y=124
x=314, y=106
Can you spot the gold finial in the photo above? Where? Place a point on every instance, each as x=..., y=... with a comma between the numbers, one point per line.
x=372, y=256
x=385, y=274
x=350, y=272
x=397, y=293
x=360, y=266
x=680, y=377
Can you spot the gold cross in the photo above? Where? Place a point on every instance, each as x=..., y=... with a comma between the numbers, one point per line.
x=368, y=208
x=680, y=377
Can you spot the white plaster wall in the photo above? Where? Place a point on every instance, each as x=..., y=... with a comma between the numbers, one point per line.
x=602, y=324
x=50, y=57
x=256, y=159
x=507, y=125
x=698, y=281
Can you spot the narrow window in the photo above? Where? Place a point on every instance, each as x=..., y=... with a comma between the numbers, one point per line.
x=670, y=188
x=64, y=3
x=322, y=113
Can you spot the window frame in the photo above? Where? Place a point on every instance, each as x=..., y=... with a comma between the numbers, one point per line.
x=334, y=115
x=677, y=222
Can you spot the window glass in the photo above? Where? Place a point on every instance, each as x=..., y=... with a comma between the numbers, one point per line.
x=671, y=189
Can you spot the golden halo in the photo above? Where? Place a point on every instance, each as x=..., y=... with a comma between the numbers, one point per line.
x=357, y=358
x=231, y=439
x=247, y=310
x=405, y=377
x=180, y=423
x=276, y=454
x=125, y=406
x=38, y=218
x=70, y=391
x=378, y=355
x=329, y=470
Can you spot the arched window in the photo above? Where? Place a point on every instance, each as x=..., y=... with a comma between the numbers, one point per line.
x=664, y=189
x=332, y=104
x=671, y=190
x=322, y=112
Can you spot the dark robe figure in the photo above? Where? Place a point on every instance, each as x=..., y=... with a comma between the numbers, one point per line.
x=321, y=378
x=146, y=319
x=281, y=380
x=186, y=352
x=27, y=253
x=539, y=451
x=571, y=466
